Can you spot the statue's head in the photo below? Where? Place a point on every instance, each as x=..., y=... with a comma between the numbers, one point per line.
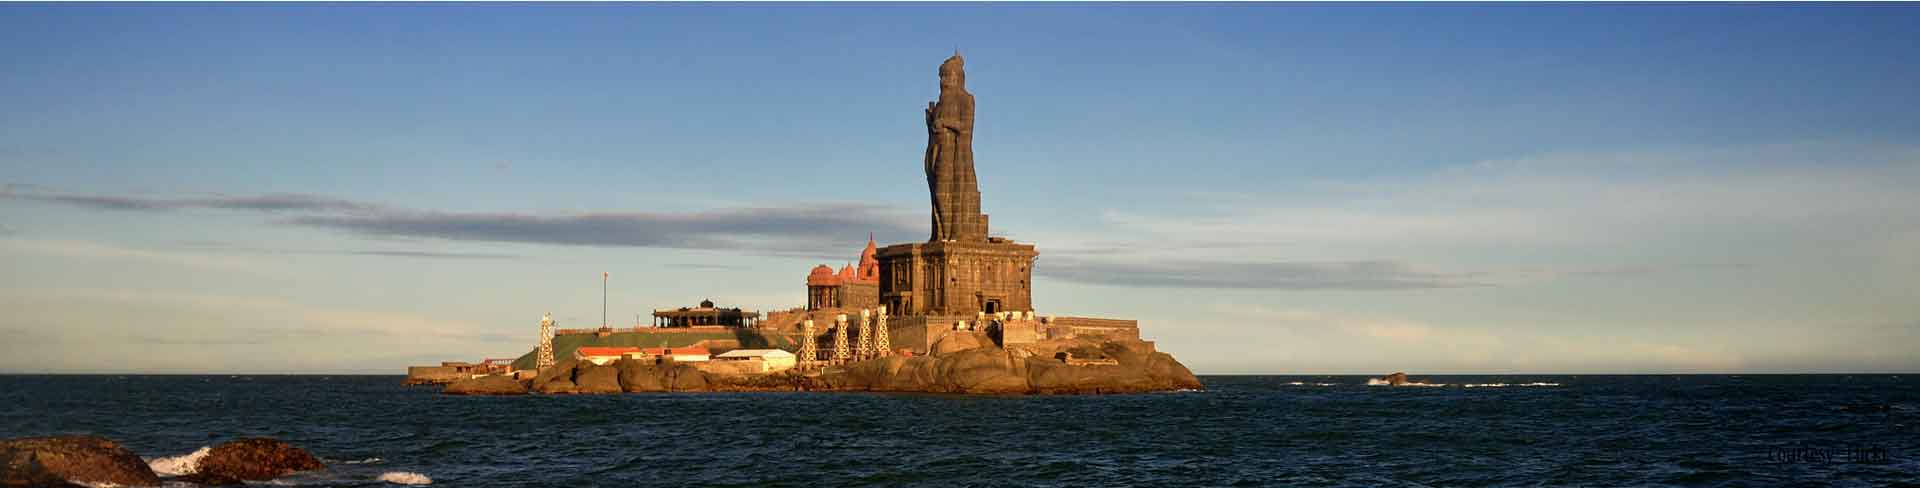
x=952, y=74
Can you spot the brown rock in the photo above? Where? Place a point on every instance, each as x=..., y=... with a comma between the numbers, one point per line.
x=685, y=377
x=1397, y=379
x=593, y=378
x=486, y=385
x=638, y=376
x=556, y=387
x=956, y=342
x=23, y=468
x=981, y=370
x=559, y=371
x=251, y=459
x=62, y=461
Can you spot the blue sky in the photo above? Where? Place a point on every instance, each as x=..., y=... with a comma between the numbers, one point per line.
x=1269, y=188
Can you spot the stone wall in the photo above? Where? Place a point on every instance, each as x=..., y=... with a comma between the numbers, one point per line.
x=856, y=296
x=1111, y=329
x=919, y=332
x=424, y=375
x=1020, y=332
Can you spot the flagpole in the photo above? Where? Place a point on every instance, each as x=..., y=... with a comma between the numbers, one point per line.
x=603, y=299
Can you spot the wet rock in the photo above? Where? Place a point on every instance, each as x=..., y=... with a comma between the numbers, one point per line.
x=1396, y=379
x=251, y=459
x=23, y=468
x=486, y=385
x=65, y=460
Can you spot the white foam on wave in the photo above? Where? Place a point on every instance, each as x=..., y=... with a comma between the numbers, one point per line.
x=405, y=478
x=181, y=465
x=1381, y=382
x=371, y=460
x=1302, y=383
x=1503, y=385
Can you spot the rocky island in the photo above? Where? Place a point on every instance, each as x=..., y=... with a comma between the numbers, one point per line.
x=954, y=314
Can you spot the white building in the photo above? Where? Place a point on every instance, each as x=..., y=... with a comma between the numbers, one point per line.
x=768, y=360
x=603, y=355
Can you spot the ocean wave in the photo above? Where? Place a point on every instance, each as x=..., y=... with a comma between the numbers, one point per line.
x=1302, y=383
x=181, y=465
x=1381, y=382
x=371, y=460
x=405, y=478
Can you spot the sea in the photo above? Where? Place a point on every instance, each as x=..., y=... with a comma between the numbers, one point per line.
x=1582, y=430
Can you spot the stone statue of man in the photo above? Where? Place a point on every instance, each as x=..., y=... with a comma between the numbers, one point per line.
x=949, y=158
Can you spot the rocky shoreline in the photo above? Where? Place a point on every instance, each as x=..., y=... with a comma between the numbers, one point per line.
x=961, y=364
x=74, y=461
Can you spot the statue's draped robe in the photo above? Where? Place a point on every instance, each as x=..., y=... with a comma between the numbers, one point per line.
x=949, y=165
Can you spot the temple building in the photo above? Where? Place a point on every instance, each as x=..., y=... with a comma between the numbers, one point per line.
x=705, y=315
x=850, y=287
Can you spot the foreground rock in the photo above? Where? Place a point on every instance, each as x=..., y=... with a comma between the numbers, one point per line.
x=252, y=459
x=66, y=460
x=487, y=385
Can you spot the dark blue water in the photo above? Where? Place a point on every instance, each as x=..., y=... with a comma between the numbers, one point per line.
x=1245, y=431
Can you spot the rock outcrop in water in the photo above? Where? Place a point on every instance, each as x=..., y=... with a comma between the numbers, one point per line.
x=67, y=460
x=1396, y=379
x=964, y=365
x=97, y=461
x=251, y=459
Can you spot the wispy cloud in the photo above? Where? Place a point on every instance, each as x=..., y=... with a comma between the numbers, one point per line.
x=265, y=203
x=805, y=230
x=398, y=253
x=818, y=229
x=1347, y=275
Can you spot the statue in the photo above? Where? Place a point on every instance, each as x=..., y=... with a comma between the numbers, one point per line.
x=949, y=159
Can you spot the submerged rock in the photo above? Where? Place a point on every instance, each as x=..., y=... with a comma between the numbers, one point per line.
x=487, y=385
x=251, y=459
x=66, y=460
